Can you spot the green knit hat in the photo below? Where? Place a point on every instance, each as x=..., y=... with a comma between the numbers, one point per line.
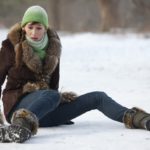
x=35, y=14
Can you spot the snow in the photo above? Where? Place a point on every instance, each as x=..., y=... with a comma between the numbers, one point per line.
x=117, y=64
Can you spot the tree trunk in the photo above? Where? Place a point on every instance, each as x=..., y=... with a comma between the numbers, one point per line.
x=142, y=4
x=109, y=14
x=143, y=8
x=54, y=14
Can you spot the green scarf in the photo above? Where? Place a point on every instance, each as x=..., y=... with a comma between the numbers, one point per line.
x=39, y=47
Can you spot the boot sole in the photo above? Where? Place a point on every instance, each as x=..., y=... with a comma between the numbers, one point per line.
x=148, y=125
x=14, y=133
x=19, y=134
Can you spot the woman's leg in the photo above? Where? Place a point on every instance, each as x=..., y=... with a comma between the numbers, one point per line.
x=84, y=103
x=39, y=102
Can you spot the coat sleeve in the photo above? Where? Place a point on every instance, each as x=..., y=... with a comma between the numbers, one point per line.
x=54, y=83
x=4, y=62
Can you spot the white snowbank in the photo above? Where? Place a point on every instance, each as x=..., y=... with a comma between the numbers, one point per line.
x=117, y=64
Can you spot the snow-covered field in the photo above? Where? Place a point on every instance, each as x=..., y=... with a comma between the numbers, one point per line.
x=118, y=64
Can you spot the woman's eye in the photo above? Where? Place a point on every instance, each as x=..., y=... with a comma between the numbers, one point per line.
x=30, y=28
x=39, y=28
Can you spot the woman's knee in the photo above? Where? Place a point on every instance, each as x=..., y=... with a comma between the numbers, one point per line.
x=49, y=98
x=51, y=94
x=99, y=94
x=99, y=97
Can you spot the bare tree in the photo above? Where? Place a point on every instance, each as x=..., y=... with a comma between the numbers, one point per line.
x=109, y=14
x=142, y=4
x=143, y=8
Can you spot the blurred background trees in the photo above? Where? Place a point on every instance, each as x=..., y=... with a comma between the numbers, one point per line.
x=83, y=15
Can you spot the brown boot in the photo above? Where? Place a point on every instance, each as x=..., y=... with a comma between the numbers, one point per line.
x=25, y=118
x=23, y=124
x=137, y=118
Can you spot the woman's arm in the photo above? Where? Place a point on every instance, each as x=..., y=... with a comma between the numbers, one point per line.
x=5, y=61
x=54, y=82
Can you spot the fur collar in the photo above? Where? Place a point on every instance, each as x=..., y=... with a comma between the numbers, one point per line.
x=25, y=54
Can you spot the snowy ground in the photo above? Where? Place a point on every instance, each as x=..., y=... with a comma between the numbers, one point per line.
x=117, y=64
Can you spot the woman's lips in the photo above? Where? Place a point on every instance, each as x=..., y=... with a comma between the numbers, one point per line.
x=34, y=38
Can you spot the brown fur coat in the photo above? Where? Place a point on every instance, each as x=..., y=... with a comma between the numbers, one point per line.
x=25, y=54
x=24, y=70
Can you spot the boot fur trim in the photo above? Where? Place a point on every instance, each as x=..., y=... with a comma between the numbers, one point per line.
x=26, y=117
x=129, y=117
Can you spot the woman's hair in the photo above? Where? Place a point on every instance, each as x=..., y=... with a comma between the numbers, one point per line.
x=34, y=22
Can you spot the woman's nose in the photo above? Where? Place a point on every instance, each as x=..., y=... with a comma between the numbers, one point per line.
x=33, y=32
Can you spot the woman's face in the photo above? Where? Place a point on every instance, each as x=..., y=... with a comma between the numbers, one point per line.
x=35, y=31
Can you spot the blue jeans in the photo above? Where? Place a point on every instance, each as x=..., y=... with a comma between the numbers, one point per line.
x=50, y=112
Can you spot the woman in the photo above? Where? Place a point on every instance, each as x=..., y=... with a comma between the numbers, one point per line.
x=30, y=58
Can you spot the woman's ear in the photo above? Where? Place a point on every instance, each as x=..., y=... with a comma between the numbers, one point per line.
x=23, y=28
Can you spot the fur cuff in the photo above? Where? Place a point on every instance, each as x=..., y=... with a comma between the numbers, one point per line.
x=27, y=119
x=67, y=97
x=31, y=87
